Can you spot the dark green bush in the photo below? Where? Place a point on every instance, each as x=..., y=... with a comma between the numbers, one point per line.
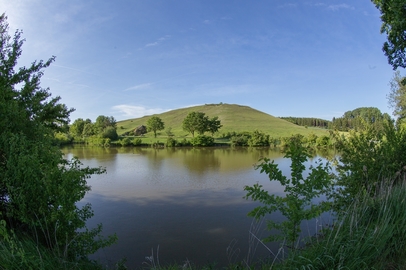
x=202, y=140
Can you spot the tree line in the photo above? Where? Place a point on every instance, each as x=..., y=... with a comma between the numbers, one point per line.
x=360, y=118
x=307, y=121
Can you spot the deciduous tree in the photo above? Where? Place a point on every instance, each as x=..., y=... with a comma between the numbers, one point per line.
x=397, y=96
x=155, y=124
x=195, y=122
x=39, y=189
x=393, y=14
x=214, y=125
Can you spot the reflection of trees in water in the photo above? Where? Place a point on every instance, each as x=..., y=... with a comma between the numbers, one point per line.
x=91, y=152
x=201, y=160
x=195, y=160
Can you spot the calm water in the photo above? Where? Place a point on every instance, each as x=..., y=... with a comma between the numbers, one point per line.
x=188, y=202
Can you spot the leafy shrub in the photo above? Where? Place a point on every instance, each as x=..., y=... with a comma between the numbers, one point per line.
x=62, y=138
x=171, y=142
x=367, y=158
x=184, y=142
x=110, y=133
x=136, y=141
x=240, y=139
x=323, y=141
x=202, y=140
x=258, y=138
x=125, y=141
x=299, y=192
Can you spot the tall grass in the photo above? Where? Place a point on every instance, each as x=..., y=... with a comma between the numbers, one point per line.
x=23, y=253
x=369, y=235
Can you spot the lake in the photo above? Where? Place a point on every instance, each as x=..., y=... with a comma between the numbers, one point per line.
x=183, y=204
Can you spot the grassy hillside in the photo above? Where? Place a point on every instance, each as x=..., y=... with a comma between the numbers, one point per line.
x=233, y=118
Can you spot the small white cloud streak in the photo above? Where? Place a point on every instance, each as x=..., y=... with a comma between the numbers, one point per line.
x=159, y=40
x=338, y=7
x=129, y=111
x=138, y=87
x=74, y=69
x=151, y=44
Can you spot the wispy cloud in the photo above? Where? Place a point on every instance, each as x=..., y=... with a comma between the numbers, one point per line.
x=158, y=41
x=207, y=22
x=151, y=44
x=129, y=111
x=74, y=69
x=339, y=6
x=139, y=86
x=336, y=7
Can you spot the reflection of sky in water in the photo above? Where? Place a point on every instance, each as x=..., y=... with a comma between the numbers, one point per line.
x=188, y=201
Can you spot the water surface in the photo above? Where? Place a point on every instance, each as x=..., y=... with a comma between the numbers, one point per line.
x=179, y=204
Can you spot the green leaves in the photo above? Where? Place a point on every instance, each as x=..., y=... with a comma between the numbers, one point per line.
x=39, y=189
x=297, y=204
x=393, y=14
x=155, y=124
x=200, y=123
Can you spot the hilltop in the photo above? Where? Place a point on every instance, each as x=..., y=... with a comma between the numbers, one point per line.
x=233, y=118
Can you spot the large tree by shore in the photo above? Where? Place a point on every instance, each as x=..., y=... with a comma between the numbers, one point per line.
x=39, y=189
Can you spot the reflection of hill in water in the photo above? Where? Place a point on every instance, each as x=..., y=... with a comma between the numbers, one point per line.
x=196, y=160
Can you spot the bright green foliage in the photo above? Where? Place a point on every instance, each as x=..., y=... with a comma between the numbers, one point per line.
x=110, y=133
x=195, y=122
x=202, y=140
x=214, y=125
x=239, y=139
x=105, y=127
x=103, y=122
x=89, y=130
x=155, y=124
x=393, y=14
x=360, y=119
x=39, y=189
x=258, y=139
x=323, y=141
x=397, y=96
x=307, y=121
x=171, y=142
x=368, y=158
x=76, y=129
x=125, y=141
x=297, y=203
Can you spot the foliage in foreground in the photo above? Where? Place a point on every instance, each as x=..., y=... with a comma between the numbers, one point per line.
x=39, y=189
x=297, y=204
x=393, y=13
x=369, y=236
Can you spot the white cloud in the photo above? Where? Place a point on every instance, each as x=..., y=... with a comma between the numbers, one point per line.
x=129, y=111
x=206, y=21
x=139, y=86
x=159, y=40
x=151, y=44
x=338, y=7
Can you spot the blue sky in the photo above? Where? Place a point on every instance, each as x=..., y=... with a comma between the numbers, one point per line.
x=130, y=58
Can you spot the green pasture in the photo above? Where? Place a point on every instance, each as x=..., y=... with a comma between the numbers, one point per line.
x=233, y=117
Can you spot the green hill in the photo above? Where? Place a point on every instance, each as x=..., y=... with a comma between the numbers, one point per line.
x=233, y=118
